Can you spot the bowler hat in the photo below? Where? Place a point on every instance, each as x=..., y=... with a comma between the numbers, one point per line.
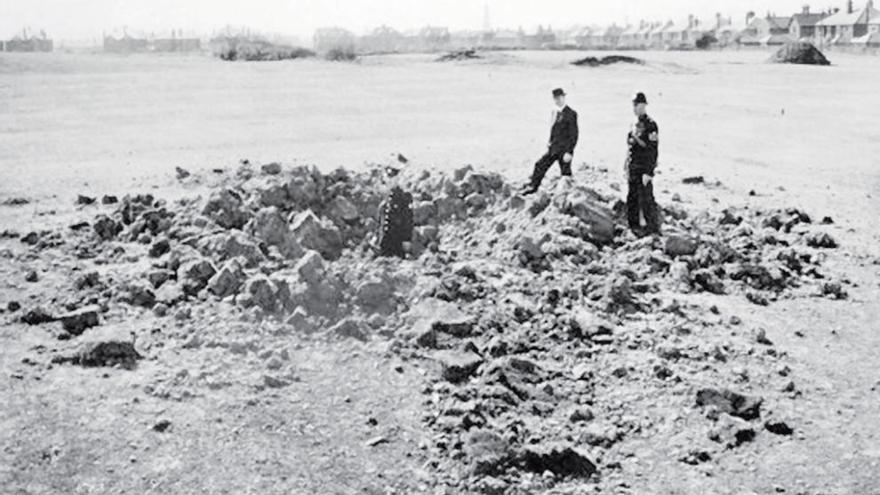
x=558, y=92
x=640, y=98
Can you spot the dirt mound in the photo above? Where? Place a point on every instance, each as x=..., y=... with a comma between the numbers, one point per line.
x=259, y=51
x=607, y=60
x=458, y=55
x=799, y=52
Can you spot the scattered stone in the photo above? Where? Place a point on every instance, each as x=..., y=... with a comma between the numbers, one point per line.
x=778, y=427
x=821, y=240
x=487, y=452
x=376, y=441
x=761, y=337
x=310, y=267
x=162, y=426
x=228, y=280
x=18, y=201
x=560, y=460
x=181, y=173
x=109, y=199
x=697, y=179
x=194, y=275
x=273, y=168
x=159, y=247
x=458, y=366
x=103, y=353
x=227, y=245
x=835, y=290
x=84, y=200
x=680, y=245
x=106, y=227
x=349, y=328
x=262, y=291
x=732, y=431
x=225, y=207
x=31, y=276
x=37, y=316
x=733, y=403
x=320, y=235
x=271, y=381
x=138, y=294
x=13, y=306
x=76, y=322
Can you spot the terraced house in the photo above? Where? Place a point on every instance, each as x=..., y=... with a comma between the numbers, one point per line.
x=850, y=26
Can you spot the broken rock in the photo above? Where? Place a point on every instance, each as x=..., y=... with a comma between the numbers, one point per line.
x=76, y=322
x=228, y=280
x=680, y=245
x=458, y=366
x=730, y=402
x=560, y=460
x=225, y=207
x=106, y=227
x=319, y=235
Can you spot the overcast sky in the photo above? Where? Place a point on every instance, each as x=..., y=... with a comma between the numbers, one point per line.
x=72, y=19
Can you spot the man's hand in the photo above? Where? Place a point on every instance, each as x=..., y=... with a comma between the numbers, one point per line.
x=566, y=158
x=646, y=179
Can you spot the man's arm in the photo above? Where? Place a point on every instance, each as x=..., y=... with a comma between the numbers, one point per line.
x=653, y=144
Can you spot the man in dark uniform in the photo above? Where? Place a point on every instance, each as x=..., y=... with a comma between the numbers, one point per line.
x=563, y=139
x=643, y=141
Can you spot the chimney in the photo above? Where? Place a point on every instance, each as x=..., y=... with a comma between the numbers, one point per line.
x=805, y=10
x=691, y=21
x=849, y=7
x=718, y=20
x=749, y=17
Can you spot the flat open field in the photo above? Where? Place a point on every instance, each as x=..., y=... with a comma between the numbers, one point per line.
x=797, y=136
x=726, y=115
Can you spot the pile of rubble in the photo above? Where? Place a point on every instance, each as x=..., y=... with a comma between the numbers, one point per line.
x=799, y=52
x=526, y=306
x=607, y=60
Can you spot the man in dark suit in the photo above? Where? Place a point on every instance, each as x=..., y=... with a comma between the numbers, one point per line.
x=563, y=139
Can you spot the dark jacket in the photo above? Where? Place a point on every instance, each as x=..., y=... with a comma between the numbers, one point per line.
x=643, y=156
x=564, y=134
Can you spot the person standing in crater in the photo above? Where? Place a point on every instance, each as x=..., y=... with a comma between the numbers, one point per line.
x=563, y=139
x=644, y=142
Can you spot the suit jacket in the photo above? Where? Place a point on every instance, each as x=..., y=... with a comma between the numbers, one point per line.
x=564, y=133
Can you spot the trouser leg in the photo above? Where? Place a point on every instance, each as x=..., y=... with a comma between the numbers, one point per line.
x=632, y=204
x=565, y=167
x=541, y=167
x=649, y=207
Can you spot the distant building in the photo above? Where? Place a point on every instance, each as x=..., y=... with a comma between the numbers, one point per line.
x=803, y=25
x=629, y=38
x=844, y=27
x=125, y=44
x=465, y=39
x=433, y=38
x=176, y=43
x=768, y=30
x=503, y=39
x=541, y=38
x=383, y=39
x=28, y=43
x=331, y=38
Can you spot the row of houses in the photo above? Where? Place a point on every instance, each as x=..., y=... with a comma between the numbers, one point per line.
x=833, y=27
x=27, y=42
x=177, y=42
x=847, y=26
